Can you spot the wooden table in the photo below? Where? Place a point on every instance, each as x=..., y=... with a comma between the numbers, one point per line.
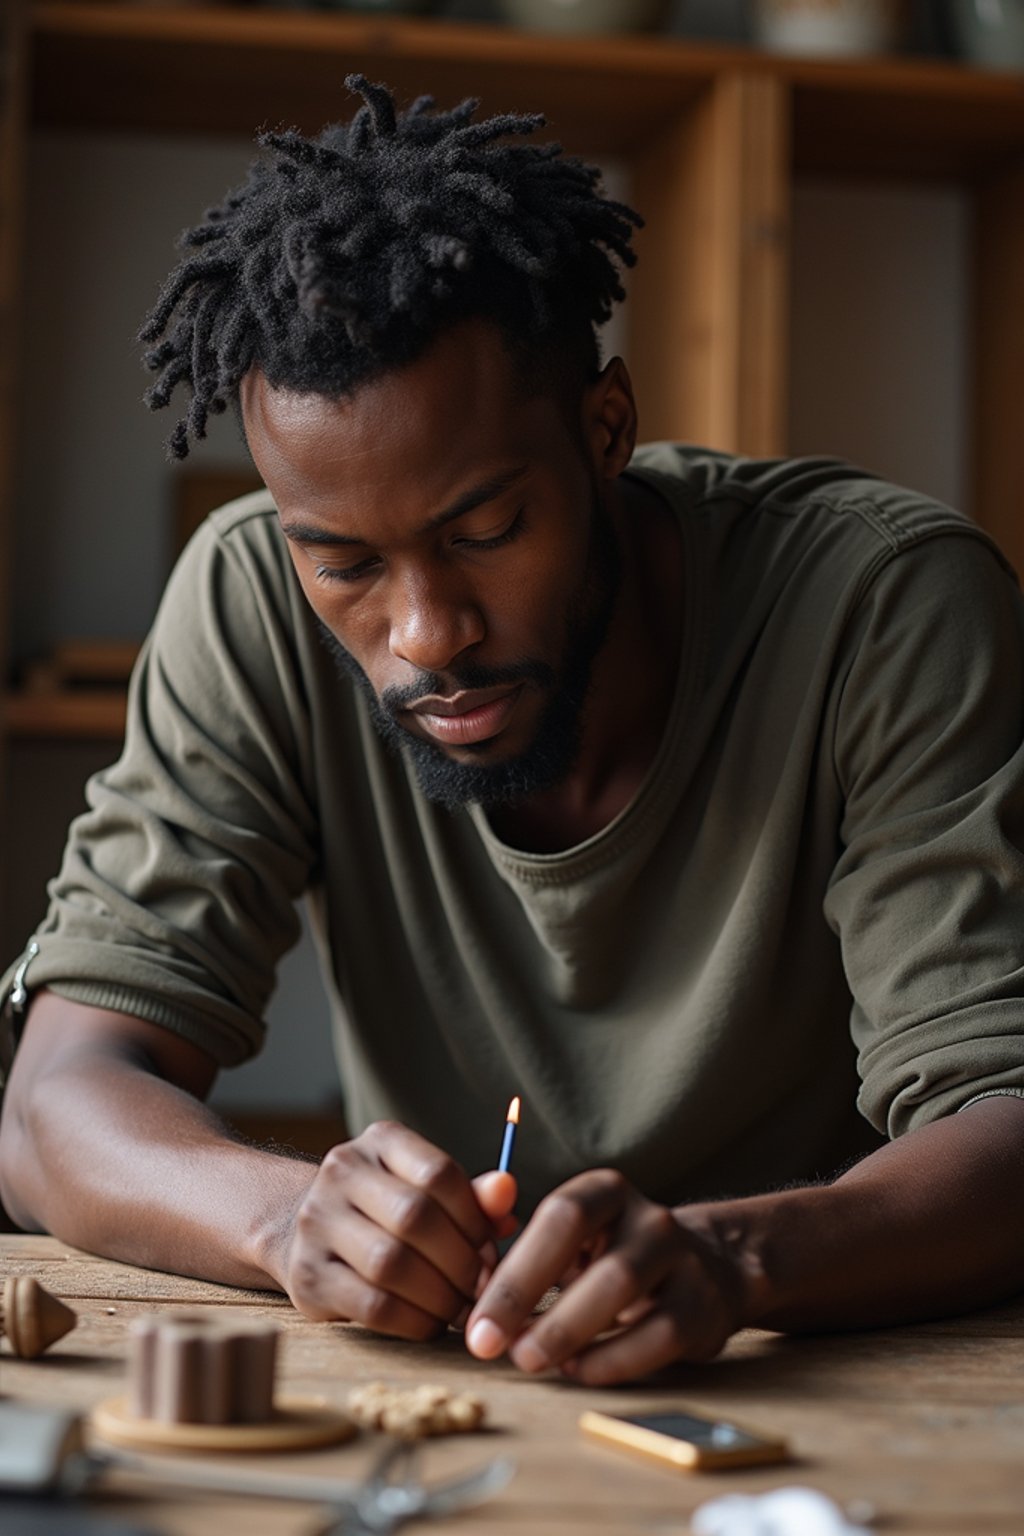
x=925, y=1422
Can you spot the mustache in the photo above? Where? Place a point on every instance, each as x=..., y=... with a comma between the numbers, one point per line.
x=395, y=700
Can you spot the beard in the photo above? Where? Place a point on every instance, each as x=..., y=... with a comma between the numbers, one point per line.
x=554, y=748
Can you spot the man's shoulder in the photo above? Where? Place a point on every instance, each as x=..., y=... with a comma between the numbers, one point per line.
x=234, y=581
x=822, y=501
x=246, y=520
x=243, y=537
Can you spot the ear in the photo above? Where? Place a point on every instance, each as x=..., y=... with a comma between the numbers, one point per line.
x=609, y=419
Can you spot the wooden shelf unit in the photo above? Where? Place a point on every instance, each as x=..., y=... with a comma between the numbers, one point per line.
x=714, y=136
x=91, y=714
x=209, y=70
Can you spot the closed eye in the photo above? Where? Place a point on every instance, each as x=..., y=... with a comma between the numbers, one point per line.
x=353, y=573
x=345, y=572
x=495, y=540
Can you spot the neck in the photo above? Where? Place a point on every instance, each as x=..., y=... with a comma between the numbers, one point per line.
x=631, y=689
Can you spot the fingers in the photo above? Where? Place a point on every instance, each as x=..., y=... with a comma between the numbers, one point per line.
x=635, y=1312
x=418, y=1162
x=390, y=1265
x=496, y=1193
x=672, y=1329
x=612, y=1285
x=332, y=1291
x=639, y=1277
x=391, y=1234
x=413, y=1220
x=564, y=1223
x=636, y=1352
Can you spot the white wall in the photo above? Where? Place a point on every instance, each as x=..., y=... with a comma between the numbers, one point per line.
x=878, y=370
x=94, y=530
x=879, y=331
x=94, y=525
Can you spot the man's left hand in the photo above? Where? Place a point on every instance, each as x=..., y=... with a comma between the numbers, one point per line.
x=630, y=1269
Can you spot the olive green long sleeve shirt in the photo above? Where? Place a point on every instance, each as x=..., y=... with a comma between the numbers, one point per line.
x=806, y=932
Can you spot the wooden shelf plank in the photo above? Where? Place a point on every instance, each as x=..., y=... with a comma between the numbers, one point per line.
x=907, y=119
x=79, y=714
x=221, y=70
x=709, y=321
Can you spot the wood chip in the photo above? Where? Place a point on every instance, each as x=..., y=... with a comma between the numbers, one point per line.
x=412, y=1413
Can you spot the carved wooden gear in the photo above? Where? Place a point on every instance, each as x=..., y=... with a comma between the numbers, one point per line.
x=187, y=1367
x=205, y=1381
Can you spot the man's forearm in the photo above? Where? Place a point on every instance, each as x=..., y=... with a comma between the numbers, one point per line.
x=929, y=1225
x=116, y=1160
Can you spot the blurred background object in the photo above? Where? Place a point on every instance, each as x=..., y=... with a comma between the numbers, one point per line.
x=829, y=26
x=398, y=8
x=580, y=16
x=988, y=32
x=356, y=7
x=381, y=7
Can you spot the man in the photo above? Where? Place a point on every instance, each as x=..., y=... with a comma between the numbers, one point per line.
x=635, y=782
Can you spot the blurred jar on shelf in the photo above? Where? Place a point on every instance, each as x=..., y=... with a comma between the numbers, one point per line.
x=376, y=7
x=580, y=16
x=828, y=26
x=988, y=32
x=362, y=7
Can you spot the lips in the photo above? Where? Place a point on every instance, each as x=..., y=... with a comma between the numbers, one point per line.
x=469, y=717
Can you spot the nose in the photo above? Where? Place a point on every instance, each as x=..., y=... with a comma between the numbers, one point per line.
x=433, y=619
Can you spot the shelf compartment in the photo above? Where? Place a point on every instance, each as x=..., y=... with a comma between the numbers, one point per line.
x=219, y=70
x=68, y=714
x=222, y=70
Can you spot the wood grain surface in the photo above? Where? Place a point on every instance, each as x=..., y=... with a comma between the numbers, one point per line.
x=924, y=1422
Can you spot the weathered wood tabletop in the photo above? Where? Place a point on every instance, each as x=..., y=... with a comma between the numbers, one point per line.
x=926, y=1422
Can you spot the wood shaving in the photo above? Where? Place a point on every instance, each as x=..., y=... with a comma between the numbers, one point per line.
x=412, y=1413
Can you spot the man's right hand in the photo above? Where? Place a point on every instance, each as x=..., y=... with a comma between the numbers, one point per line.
x=392, y=1233
x=106, y=1143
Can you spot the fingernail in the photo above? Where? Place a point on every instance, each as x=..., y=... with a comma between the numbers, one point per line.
x=485, y=1339
x=528, y=1355
x=489, y=1255
x=483, y=1280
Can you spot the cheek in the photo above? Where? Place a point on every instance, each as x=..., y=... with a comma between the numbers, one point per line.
x=357, y=628
x=345, y=619
x=524, y=604
x=552, y=591
x=540, y=614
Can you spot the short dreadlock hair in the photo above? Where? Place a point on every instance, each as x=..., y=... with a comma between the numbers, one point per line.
x=344, y=256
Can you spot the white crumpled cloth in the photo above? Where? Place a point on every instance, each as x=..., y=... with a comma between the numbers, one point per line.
x=784, y=1512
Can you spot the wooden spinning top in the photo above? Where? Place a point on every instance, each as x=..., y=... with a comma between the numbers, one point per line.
x=31, y=1318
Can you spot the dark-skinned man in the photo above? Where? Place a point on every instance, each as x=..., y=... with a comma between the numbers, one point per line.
x=679, y=793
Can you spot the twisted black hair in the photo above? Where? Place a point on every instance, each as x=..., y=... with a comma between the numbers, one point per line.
x=342, y=257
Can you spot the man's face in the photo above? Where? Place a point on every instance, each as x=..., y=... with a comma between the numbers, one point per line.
x=450, y=534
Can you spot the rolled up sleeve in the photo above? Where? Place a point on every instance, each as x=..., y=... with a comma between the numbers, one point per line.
x=927, y=896
x=176, y=896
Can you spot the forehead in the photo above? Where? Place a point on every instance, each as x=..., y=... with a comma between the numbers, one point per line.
x=458, y=412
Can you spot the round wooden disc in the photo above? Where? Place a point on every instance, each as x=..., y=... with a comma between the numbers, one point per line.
x=298, y=1424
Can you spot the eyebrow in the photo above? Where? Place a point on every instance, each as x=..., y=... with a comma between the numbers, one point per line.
x=301, y=532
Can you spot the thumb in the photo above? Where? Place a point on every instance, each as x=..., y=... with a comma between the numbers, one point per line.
x=497, y=1193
